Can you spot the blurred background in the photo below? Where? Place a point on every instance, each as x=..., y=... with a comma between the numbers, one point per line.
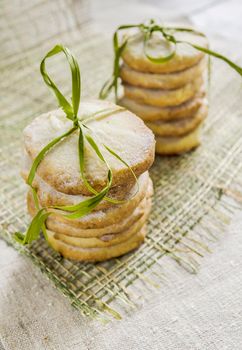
x=52, y=17
x=29, y=28
x=32, y=21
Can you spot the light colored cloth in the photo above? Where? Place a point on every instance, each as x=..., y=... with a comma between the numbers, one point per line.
x=192, y=312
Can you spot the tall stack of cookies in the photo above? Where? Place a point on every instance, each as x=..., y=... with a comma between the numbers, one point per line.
x=111, y=229
x=169, y=96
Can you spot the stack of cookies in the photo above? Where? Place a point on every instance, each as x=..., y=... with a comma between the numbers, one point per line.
x=110, y=229
x=169, y=96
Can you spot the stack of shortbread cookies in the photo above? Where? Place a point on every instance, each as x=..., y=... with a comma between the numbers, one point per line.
x=168, y=96
x=110, y=229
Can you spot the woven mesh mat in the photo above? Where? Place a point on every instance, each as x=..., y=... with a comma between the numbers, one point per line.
x=185, y=215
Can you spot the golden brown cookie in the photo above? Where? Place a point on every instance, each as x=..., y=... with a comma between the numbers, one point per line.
x=185, y=57
x=162, y=81
x=108, y=239
x=59, y=227
x=53, y=224
x=152, y=113
x=48, y=196
x=101, y=218
x=163, y=98
x=181, y=126
x=96, y=254
x=176, y=145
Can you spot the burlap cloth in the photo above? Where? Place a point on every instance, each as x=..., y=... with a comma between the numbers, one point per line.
x=163, y=306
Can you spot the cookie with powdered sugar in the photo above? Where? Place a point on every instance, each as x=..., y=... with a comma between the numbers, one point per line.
x=121, y=131
x=185, y=55
x=101, y=218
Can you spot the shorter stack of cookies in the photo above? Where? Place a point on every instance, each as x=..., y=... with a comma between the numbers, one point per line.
x=168, y=96
x=110, y=230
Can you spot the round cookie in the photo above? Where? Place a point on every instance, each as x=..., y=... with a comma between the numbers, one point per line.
x=179, y=127
x=48, y=196
x=122, y=131
x=96, y=254
x=53, y=224
x=177, y=145
x=152, y=113
x=108, y=239
x=102, y=218
x=185, y=56
x=163, y=98
x=161, y=81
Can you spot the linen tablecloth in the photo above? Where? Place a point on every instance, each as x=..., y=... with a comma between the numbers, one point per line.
x=186, y=311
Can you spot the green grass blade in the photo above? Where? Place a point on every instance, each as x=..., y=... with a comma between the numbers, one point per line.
x=70, y=110
x=160, y=59
x=34, y=229
x=126, y=164
x=209, y=52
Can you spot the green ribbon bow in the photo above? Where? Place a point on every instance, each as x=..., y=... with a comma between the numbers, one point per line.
x=169, y=35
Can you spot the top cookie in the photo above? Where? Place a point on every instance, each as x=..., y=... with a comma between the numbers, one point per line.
x=122, y=131
x=185, y=56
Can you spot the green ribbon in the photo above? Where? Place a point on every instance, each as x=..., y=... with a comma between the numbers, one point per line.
x=79, y=125
x=169, y=35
